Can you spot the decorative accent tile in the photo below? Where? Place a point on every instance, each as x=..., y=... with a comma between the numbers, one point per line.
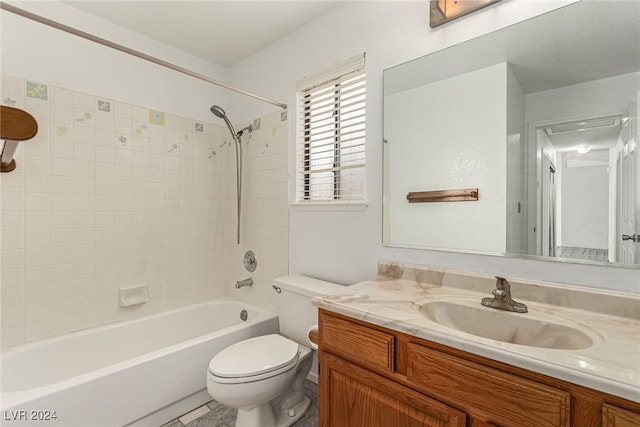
x=213, y=153
x=123, y=140
x=156, y=117
x=256, y=124
x=199, y=127
x=172, y=148
x=61, y=130
x=83, y=117
x=142, y=130
x=104, y=106
x=37, y=90
x=283, y=116
x=10, y=102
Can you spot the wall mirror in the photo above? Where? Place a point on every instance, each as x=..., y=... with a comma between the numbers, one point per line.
x=541, y=117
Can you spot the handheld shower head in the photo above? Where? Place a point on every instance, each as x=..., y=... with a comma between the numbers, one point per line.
x=218, y=111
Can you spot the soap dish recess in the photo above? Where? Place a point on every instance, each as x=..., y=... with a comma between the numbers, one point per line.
x=133, y=295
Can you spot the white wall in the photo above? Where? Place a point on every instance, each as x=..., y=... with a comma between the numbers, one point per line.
x=344, y=246
x=443, y=136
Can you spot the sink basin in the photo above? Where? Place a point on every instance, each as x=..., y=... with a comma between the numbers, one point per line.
x=514, y=328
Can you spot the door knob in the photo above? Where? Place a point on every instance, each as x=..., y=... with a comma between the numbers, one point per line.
x=633, y=237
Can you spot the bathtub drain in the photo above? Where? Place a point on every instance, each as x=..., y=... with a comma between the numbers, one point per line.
x=243, y=315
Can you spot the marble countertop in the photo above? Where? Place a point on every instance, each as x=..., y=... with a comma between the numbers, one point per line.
x=611, y=320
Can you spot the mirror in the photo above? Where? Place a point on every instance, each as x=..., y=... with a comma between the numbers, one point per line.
x=539, y=117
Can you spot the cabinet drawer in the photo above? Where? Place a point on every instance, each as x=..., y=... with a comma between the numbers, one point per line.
x=498, y=397
x=360, y=344
x=612, y=416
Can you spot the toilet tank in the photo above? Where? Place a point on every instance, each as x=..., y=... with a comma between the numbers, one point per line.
x=295, y=312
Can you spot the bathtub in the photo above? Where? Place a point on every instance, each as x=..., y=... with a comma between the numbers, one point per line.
x=140, y=372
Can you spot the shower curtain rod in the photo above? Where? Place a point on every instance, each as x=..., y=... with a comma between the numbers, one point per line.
x=105, y=42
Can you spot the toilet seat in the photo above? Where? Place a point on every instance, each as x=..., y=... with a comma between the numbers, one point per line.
x=254, y=359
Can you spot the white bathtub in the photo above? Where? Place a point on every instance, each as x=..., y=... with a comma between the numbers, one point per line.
x=145, y=371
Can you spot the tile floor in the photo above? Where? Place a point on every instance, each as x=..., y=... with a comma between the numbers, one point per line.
x=215, y=414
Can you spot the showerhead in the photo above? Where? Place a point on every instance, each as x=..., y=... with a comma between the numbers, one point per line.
x=218, y=111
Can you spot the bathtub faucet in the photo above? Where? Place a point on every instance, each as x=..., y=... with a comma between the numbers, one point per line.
x=243, y=283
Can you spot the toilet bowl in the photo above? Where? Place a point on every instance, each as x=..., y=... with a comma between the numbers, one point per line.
x=263, y=377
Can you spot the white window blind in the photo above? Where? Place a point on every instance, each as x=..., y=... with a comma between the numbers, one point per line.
x=331, y=134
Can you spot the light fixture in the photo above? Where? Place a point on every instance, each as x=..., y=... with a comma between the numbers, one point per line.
x=446, y=10
x=582, y=149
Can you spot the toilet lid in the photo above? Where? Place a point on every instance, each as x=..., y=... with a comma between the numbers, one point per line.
x=254, y=356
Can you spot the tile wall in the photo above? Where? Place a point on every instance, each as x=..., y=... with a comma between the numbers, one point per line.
x=109, y=195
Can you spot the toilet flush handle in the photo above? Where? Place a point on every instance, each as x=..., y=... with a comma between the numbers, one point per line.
x=312, y=334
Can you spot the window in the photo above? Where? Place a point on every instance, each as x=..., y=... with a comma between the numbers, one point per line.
x=331, y=135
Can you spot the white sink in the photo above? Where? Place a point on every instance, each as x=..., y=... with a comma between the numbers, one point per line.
x=516, y=328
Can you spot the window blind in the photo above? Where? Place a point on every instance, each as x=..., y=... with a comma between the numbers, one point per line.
x=331, y=134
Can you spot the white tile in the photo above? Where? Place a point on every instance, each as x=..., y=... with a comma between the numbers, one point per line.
x=61, y=149
x=84, y=135
x=105, y=122
x=60, y=96
x=61, y=184
x=84, y=202
x=12, y=201
x=61, y=201
x=37, y=276
x=12, y=316
x=84, y=168
x=104, y=138
x=63, y=291
x=37, y=257
x=123, y=110
x=84, y=236
x=61, y=255
x=37, y=238
x=84, y=270
x=13, y=220
x=84, y=151
x=13, y=258
x=37, y=330
x=37, y=201
x=62, y=236
x=60, y=219
x=12, y=278
x=83, y=101
x=61, y=273
x=37, y=164
x=12, y=297
x=37, y=183
x=37, y=312
x=36, y=219
x=123, y=187
x=61, y=166
x=106, y=155
x=12, y=336
x=195, y=414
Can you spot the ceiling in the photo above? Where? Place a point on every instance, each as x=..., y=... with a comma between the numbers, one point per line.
x=223, y=32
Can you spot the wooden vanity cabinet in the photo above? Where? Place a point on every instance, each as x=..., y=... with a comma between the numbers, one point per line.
x=373, y=376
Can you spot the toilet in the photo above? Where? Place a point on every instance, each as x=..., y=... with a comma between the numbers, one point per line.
x=263, y=377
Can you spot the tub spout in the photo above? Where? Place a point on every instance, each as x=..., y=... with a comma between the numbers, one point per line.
x=243, y=283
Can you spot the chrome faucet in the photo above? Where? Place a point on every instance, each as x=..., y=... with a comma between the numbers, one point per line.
x=502, y=298
x=243, y=283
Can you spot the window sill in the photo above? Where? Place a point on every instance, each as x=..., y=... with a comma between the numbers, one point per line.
x=329, y=206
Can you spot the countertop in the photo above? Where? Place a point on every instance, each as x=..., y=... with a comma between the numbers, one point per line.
x=612, y=321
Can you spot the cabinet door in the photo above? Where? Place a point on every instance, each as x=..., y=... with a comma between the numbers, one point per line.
x=612, y=416
x=487, y=393
x=351, y=396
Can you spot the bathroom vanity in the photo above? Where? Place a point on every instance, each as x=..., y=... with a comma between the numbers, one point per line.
x=392, y=353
